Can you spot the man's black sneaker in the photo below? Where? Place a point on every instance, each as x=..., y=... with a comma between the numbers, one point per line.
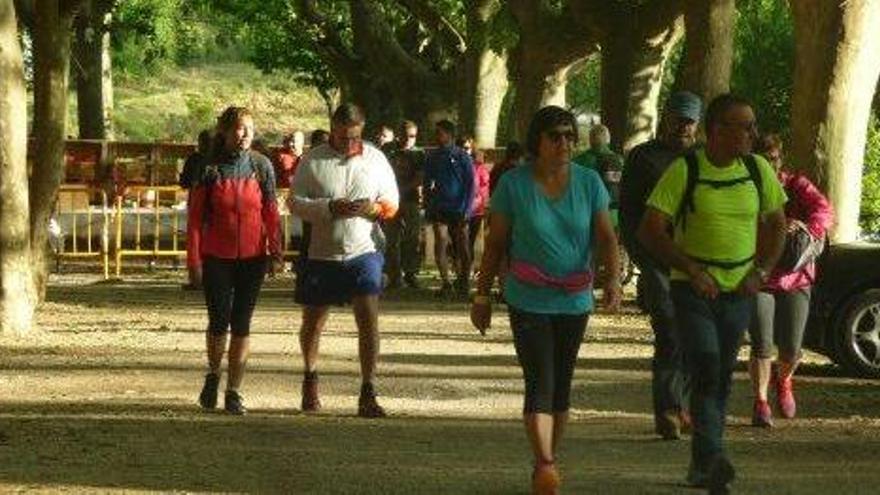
x=445, y=290
x=233, y=403
x=368, y=407
x=412, y=281
x=208, y=397
x=721, y=473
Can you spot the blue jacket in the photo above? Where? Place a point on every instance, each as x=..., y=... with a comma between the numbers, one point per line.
x=449, y=180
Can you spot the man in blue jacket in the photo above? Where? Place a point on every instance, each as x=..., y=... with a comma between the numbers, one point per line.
x=449, y=192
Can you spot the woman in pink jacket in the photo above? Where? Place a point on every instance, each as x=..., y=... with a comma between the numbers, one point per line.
x=481, y=198
x=783, y=304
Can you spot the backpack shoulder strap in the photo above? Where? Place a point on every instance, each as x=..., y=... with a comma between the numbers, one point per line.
x=687, y=200
x=757, y=180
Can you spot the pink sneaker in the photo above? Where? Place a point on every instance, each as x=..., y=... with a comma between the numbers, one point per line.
x=761, y=414
x=785, y=397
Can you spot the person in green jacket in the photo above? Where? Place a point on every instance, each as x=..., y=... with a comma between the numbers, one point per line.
x=608, y=164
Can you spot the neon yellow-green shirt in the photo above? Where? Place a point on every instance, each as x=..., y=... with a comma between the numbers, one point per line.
x=724, y=225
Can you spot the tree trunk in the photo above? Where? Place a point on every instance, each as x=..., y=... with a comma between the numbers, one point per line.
x=94, y=87
x=399, y=85
x=708, y=59
x=52, y=33
x=484, y=87
x=484, y=78
x=17, y=299
x=540, y=82
x=836, y=70
x=631, y=77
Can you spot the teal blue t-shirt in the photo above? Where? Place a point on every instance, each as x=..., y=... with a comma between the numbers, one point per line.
x=553, y=234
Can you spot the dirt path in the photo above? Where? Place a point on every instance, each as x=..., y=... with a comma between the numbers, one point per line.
x=103, y=399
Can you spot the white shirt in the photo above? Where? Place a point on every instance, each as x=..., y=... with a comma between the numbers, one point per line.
x=325, y=174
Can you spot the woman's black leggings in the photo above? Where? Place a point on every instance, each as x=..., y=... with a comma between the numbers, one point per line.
x=547, y=347
x=231, y=289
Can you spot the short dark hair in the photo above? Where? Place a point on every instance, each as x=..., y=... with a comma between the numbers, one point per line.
x=348, y=114
x=546, y=119
x=513, y=150
x=720, y=105
x=319, y=137
x=768, y=142
x=448, y=126
x=408, y=125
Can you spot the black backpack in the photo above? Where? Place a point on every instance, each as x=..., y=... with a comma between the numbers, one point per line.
x=687, y=202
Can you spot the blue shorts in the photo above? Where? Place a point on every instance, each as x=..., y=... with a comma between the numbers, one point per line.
x=327, y=282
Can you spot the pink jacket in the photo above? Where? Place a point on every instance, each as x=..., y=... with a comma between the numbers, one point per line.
x=807, y=204
x=481, y=189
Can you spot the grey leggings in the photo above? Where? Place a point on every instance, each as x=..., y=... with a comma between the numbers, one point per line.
x=780, y=318
x=547, y=348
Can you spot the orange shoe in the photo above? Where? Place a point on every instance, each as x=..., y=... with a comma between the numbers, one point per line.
x=545, y=479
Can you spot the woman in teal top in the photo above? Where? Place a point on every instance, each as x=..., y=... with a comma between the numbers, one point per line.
x=550, y=217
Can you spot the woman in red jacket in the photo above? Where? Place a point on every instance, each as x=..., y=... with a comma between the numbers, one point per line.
x=233, y=222
x=783, y=304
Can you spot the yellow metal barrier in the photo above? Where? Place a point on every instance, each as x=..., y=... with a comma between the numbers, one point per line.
x=152, y=203
x=164, y=209
x=72, y=207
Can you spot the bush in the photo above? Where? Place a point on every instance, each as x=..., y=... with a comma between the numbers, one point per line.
x=869, y=216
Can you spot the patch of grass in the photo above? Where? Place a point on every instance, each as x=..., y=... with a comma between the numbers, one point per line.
x=174, y=104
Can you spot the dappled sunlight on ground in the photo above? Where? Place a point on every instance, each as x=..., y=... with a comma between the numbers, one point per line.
x=104, y=397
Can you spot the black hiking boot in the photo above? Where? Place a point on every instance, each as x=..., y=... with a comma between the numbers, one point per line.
x=208, y=397
x=233, y=403
x=367, y=405
x=721, y=473
x=412, y=281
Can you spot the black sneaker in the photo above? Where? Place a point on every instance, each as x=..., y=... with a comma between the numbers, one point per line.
x=368, y=407
x=445, y=290
x=208, y=397
x=721, y=473
x=411, y=281
x=233, y=403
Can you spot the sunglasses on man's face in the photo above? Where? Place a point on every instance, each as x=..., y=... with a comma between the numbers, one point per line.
x=557, y=135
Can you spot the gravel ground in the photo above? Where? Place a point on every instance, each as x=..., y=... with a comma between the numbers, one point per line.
x=102, y=398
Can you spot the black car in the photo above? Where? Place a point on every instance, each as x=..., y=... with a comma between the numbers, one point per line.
x=844, y=321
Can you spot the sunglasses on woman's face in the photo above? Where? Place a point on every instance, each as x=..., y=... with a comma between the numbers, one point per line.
x=556, y=135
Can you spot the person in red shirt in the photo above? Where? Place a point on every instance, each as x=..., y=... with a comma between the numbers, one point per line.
x=287, y=158
x=232, y=222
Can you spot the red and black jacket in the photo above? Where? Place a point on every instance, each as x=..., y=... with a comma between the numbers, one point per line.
x=233, y=213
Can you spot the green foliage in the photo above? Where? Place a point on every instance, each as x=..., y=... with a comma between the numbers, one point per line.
x=583, y=90
x=150, y=34
x=764, y=60
x=869, y=216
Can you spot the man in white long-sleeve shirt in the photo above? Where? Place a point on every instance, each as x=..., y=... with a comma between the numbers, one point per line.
x=342, y=189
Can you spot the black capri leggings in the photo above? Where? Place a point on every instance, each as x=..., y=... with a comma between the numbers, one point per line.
x=231, y=289
x=547, y=348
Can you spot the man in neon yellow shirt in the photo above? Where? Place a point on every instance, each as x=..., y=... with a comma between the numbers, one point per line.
x=729, y=231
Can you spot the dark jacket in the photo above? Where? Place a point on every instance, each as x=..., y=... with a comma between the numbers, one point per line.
x=449, y=181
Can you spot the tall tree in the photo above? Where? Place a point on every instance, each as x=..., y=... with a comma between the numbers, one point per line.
x=398, y=58
x=93, y=69
x=637, y=39
x=551, y=39
x=708, y=59
x=17, y=298
x=53, y=25
x=837, y=65
x=483, y=82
